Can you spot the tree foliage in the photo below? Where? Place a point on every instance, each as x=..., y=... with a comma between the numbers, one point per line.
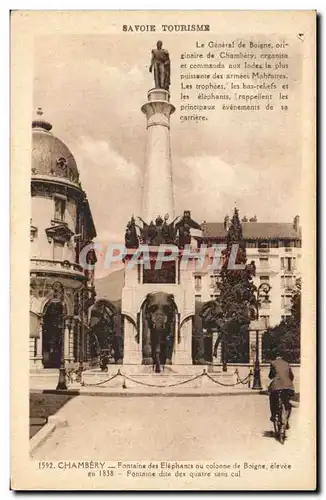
x=284, y=339
x=237, y=294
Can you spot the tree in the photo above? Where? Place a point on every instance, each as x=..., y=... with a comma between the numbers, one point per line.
x=284, y=339
x=237, y=296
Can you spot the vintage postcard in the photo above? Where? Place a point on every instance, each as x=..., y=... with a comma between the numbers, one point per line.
x=163, y=250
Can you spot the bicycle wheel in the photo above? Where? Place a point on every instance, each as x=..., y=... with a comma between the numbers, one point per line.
x=283, y=422
x=276, y=430
x=277, y=424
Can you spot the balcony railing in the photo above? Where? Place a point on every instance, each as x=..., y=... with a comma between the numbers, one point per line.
x=56, y=265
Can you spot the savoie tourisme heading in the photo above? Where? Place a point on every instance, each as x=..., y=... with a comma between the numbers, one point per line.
x=165, y=27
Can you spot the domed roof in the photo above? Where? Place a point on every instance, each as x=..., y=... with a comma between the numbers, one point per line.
x=50, y=156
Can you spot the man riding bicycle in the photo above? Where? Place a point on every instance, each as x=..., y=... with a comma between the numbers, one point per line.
x=282, y=381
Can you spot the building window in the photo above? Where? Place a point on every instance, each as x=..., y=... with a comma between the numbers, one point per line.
x=197, y=282
x=288, y=281
x=265, y=302
x=288, y=263
x=58, y=247
x=59, y=209
x=265, y=319
x=263, y=261
x=264, y=279
x=286, y=302
x=251, y=244
x=213, y=281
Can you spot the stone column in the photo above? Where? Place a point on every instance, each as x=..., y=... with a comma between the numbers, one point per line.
x=182, y=350
x=218, y=359
x=132, y=354
x=158, y=186
x=38, y=360
x=66, y=338
x=71, y=342
x=175, y=354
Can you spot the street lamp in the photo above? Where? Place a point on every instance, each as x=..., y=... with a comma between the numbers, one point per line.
x=79, y=321
x=262, y=292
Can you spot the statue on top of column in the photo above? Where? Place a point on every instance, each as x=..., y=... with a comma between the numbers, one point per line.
x=161, y=64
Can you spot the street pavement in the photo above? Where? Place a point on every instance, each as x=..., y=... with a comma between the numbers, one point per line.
x=169, y=428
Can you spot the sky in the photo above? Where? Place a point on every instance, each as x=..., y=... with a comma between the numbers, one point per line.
x=91, y=89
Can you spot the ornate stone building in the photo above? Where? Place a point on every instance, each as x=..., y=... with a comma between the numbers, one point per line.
x=60, y=227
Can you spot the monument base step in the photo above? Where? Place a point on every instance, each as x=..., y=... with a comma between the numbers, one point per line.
x=141, y=379
x=173, y=377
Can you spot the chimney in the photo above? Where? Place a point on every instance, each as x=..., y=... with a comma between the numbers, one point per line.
x=204, y=228
x=296, y=223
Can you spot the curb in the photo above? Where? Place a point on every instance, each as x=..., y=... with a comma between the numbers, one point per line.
x=54, y=422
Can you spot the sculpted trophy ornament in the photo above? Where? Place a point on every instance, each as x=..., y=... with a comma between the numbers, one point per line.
x=131, y=238
x=169, y=230
x=160, y=231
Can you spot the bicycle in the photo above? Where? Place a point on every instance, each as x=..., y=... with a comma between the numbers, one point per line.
x=282, y=414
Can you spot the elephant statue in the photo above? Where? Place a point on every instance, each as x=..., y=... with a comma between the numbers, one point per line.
x=158, y=329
